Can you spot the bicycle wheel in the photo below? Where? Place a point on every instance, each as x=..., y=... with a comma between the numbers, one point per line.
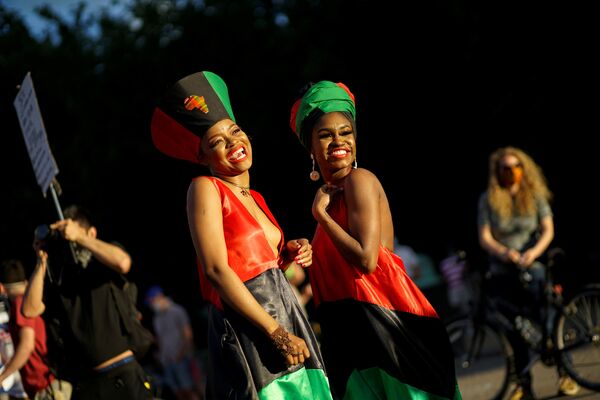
x=578, y=338
x=482, y=359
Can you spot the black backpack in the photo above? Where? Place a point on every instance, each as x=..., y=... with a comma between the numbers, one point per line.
x=57, y=358
x=125, y=296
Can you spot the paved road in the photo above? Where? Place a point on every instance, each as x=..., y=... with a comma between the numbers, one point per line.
x=544, y=384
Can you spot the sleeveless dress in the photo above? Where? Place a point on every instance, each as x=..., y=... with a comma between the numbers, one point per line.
x=380, y=336
x=242, y=361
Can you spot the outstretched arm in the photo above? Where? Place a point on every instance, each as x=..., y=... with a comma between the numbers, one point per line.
x=33, y=304
x=206, y=227
x=360, y=245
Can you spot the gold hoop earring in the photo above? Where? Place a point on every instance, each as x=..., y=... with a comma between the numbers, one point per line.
x=314, y=174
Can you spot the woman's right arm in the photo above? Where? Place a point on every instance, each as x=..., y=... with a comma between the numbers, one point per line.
x=359, y=246
x=495, y=248
x=206, y=227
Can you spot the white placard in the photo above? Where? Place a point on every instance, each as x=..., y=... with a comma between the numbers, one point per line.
x=34, y=133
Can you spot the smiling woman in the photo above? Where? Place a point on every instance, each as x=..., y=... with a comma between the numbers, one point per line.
x=381, y=337
x=261, y=345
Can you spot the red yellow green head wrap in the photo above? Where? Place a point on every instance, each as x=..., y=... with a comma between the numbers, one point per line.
x=191, y=106
x=321, y=98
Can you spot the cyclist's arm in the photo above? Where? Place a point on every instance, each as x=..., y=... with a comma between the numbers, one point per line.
x=546, y=236
x=494, y=247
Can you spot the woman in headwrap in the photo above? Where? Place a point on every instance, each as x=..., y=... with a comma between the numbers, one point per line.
x=381, y=338
x=260, y=344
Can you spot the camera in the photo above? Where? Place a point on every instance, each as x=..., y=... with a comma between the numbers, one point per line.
x=60, y=251
x=45, y=236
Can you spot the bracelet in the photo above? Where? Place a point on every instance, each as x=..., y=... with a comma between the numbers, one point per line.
x=282, y=341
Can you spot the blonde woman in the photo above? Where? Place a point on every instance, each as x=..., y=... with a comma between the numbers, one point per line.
x=516, y=226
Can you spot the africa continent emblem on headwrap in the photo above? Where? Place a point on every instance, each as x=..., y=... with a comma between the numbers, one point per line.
x=194, y=101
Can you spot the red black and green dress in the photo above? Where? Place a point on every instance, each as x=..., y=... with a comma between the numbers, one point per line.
x=380, y=337
x=242, y=361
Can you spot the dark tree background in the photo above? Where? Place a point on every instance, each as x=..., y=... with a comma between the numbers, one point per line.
x=439, y=85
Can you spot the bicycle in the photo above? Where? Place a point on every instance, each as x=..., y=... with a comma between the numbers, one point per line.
x=568, y=336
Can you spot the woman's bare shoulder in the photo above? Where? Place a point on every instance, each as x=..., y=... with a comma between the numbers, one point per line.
x=362, y=178
x=202, y=187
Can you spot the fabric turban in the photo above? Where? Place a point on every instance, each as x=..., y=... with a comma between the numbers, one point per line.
x=322, y=97
x=188, y=109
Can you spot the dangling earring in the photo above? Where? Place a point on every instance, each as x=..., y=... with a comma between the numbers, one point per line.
x=314, y=174
x=355, y=164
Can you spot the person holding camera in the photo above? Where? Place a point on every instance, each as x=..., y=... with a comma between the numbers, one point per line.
x=78, y=302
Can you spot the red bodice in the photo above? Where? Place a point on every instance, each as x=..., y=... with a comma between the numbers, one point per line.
x=248, y=250
x=333, y=278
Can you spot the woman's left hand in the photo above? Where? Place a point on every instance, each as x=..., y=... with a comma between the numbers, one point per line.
x=300, y=252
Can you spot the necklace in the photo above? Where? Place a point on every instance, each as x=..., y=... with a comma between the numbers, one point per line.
x=244, y=190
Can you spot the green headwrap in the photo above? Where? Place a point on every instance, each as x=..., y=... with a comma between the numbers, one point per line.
x=324, y=96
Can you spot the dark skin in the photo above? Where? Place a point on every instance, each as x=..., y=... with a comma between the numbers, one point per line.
x=370, y=224
x=226, y=150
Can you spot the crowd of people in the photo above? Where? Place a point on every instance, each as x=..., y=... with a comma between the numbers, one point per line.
x=374, y=329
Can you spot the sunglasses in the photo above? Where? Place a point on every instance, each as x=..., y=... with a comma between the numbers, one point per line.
x=508, y=168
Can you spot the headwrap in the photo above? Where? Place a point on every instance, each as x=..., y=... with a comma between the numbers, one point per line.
x=322, y=97
x=188, y=109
